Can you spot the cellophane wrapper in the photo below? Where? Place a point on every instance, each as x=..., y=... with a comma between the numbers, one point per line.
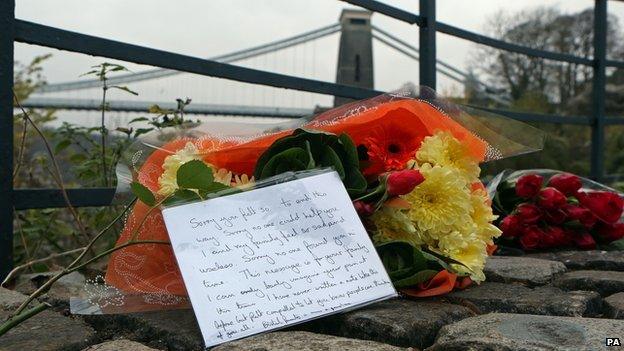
x=145, y=277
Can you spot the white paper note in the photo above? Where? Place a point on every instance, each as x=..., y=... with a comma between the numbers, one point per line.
x=274, y=256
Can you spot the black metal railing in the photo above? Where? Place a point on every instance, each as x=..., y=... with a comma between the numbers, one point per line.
x=12, y=29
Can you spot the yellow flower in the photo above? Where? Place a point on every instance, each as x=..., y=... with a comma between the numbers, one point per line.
x=243, y=181
x=440, y=203
x=167, y=181
x=223, y=176
x=483, y=217
x=442, y=149
x=393, y=224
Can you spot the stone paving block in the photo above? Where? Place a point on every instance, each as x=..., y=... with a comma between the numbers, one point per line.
x=69, y=285
x=10, y=299
x=531, y=271
x=397, y=322
x=614, y=306
x=47, y=331
x=174, y=330
x=592, y=259
x=516, y=298
x=119, y=345
x=507, y=332
x=303, y=341
x=603, y=282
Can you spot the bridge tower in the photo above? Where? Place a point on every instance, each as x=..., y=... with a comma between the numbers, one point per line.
x=355, y=56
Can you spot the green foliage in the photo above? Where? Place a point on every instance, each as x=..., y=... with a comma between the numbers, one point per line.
x=306, y=149
x=143, y=193
x=406, y=264
x=195, y=175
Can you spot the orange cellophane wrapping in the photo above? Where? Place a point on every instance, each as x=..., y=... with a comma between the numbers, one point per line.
x=152, y=269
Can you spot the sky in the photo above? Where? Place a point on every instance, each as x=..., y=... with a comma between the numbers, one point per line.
x=210, y=28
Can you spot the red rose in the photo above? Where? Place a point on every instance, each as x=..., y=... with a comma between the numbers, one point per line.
x=529, y=185
x=529, y=213
x=531, y=238
x=585, y=241
x=551, y=198
x=556, y=216
x=403, y=182
x=554, y=237
x=609, y=232
x=605, y=205
x=581, y=214
x=363, y=209
x=567, y=183
x=511, y=226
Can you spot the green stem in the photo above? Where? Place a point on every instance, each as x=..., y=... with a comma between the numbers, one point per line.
x=17, y=319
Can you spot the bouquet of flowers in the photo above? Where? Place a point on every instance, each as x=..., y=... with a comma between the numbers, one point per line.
x=545, y=209
x=409, y=161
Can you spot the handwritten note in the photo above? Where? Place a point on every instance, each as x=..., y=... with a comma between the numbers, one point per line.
x=274, y=256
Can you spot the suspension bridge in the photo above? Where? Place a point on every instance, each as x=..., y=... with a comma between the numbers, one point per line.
x=355, y=67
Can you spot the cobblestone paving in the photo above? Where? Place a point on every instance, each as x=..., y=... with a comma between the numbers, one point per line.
x=551, y=301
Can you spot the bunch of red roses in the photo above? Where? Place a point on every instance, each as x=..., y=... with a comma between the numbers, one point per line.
x=562, y=214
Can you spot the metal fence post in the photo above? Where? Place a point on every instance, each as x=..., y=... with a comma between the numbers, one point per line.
x=427, y=39
x=598, y=92
x=7, y=34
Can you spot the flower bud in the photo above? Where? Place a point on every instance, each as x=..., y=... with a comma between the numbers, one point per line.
x=529, y=213
x=567, y=183
x=551, y=199
x=511, y=226
x=529, y=185
x=403, y=182
x=605, y=205
x=363, y=209
x=585, y=241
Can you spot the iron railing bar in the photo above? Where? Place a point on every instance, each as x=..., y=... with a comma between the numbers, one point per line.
x=37, y=34
x=7, y=28
x=599, y=83
x=613, y=63
x=503, y=45
x=52, y=198
x=388, y=10
x=612, y=121
x=537, y=117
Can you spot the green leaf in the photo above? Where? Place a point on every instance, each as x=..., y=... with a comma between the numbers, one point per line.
x=294, y=159
x=140, y=131
x=213, y=188
x=329, y=158
x=62, y=145
x=181, y=196
x=417, y=278
x=401, y=259
x=143, y=193
x=138, y=119
x=195, y=175
x=124, y=88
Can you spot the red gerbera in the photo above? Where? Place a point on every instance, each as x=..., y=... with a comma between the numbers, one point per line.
x=389, y=148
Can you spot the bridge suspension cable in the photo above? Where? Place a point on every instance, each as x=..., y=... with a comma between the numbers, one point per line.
x=442, y=67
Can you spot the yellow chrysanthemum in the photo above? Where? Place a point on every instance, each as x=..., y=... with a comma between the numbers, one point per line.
x=482, y=216
x=243, y=181
x=440, y=203
x=442, y=149
x=167, y=181
x=393, y=224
